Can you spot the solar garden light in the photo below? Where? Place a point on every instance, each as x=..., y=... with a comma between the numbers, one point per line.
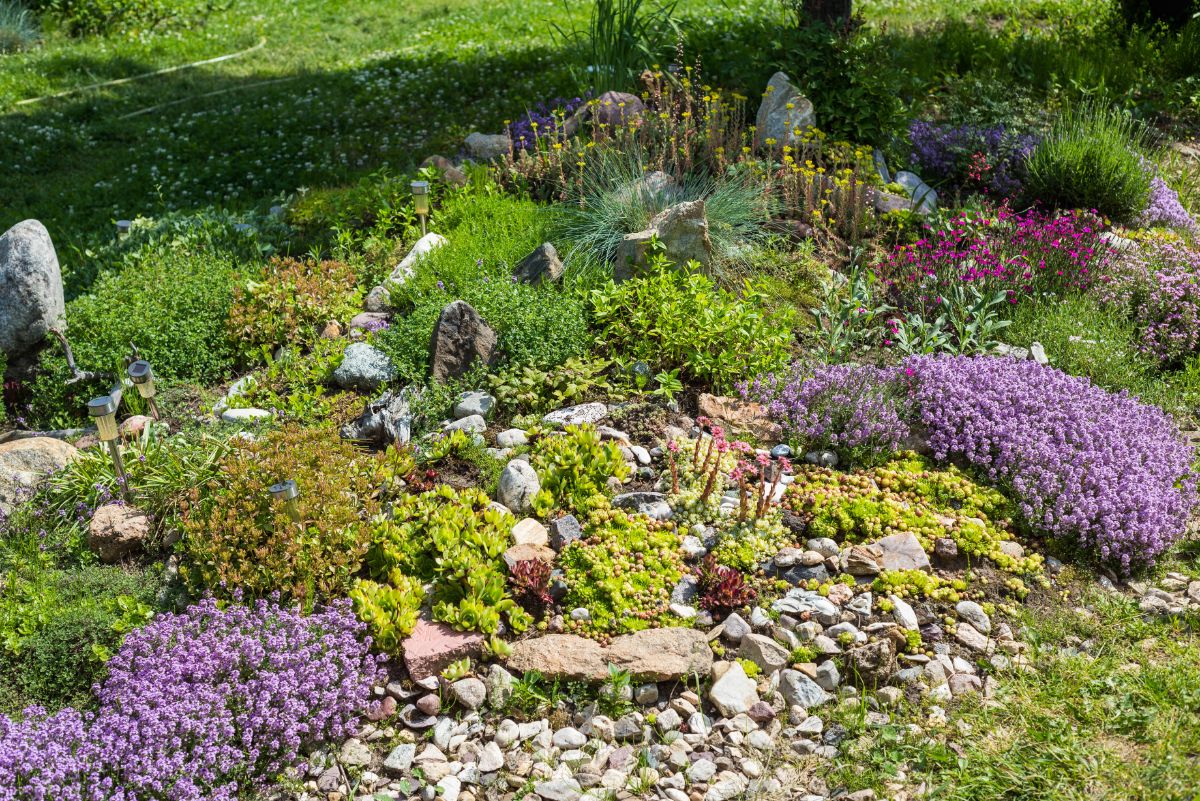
x=142, y=377
x=104, y=411
x=420, y=193
x=288, y=492
x=123, y=227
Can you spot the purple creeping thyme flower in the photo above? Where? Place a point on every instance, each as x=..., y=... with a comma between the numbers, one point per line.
x=206, y=705
x=1103, y=470
x=849, y=409
x=1158, y=285
x=1165, y=209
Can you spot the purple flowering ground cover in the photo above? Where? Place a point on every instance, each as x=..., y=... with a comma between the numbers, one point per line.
x=1106, y=472
x=199, y=706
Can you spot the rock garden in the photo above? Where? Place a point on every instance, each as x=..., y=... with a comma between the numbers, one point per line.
x=795, y=401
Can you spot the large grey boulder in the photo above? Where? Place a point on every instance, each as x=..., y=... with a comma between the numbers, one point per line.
x=460, y=338
x=31, y=288
x=486, y=147
x=518, y=485
x=420, y=249
x=784, y=110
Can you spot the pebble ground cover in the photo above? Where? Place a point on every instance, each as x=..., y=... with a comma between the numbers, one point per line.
x=741, y=405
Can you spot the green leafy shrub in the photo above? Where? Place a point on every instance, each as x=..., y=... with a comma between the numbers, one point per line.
x=289, y=303
x=57, y=627
x=173, y=303
x=679, y=319
x=574, y=469
x=236, y=536
x=298, y=386
x=1092, y=158
x=849, y=78
x=456, y=541
x=84, y=17
x=622, y=572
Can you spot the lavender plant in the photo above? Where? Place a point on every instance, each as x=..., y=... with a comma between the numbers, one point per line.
x=971, y=158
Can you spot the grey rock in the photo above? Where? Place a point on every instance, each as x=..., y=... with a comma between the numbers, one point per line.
x=583, y=414
x=775, y=120
x=473, y=424
x=542, y=265
x=735, y=628
x=385, y=420
x=26, y=462
x=764, y=652
x=31, y=288
x=902, y=552
x=1038, y=353
x=407, y=266
x=569, y=738
x=734, y=692
x=518, y=485
x=966, y=634
x=559, y=790
x=652, y=504
x=923, y=195
x=511, y=438
x=474, y=402
x=355, y=752
x=685, y=590
x=904, y=614
x=626, y=728
x=872, y=663
x=646, y=694
x=973, y=613
x=491, y=758
x=827, y=675
x=799, y=690
x=563, y=531
x=470, y=693
x=400, y=759
x=487, y=147
x=460, y=338
x=364, y=367
x=378, y=300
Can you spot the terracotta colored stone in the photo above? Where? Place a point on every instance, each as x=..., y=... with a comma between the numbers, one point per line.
x=739, y=417
x=433, y=646
x=650, y=655
x=522, y=553
x=132, y=427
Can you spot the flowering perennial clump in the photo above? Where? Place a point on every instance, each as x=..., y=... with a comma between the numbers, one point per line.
x=853, y=410
x=1165, y=209
x=1021, y=252
x=202, y=706
x=971, y=157
x=1083, y=464
x=1158, y=286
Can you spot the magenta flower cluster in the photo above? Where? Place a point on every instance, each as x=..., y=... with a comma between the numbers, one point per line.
x=1157, y=285
x=1023, y=252
x=1105, y=471
x=1164, y=208
x=971, y=158
x=852, y=410
x=207, y=705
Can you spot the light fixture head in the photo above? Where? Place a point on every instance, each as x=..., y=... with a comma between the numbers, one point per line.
x=142, y=377
x=420, y=193
x=123, y=227
x=284, y=490
x=104, y=411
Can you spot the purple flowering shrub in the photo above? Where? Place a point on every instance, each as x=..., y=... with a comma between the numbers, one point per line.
x=971, y=158
x=1164, y=208
x=1158, y=286
x=204, y=705
x=852, y=410
x=1104, y=471
x=542, y=122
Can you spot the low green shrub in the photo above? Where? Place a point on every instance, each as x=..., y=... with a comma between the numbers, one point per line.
x=1092, y=158
x=531, y=390
x=58, y=627
x=679, y=319
x=237, y=537
x=172, y=303
x=289, y=303
x=98, y=17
